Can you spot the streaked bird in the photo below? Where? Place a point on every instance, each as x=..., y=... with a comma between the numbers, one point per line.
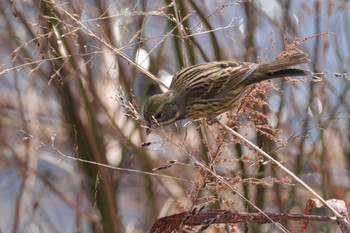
x=209, y=89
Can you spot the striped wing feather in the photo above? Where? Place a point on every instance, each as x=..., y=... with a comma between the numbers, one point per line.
x=211, y=80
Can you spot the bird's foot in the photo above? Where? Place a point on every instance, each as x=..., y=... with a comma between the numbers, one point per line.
x=212, y=118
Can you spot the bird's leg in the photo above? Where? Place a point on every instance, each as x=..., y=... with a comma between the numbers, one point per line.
x=211, y=118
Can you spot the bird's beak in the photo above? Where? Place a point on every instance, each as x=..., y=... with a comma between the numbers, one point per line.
x=149, y=128
x=148, y=131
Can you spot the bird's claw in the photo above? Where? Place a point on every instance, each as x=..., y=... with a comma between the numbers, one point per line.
x=211, y=119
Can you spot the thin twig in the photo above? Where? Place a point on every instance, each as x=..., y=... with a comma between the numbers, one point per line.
x=282, y=168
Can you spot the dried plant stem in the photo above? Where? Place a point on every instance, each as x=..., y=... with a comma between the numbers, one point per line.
x=112, y=48
x=282, y=168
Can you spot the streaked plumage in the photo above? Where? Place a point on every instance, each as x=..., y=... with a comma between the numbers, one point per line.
x=213, y=88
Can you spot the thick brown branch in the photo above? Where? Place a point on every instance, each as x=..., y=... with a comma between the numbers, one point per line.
x=170, y=223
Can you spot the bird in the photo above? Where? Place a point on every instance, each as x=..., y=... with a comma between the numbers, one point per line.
x=212, y=88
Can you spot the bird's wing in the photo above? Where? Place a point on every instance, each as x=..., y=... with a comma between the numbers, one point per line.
x=212, y=79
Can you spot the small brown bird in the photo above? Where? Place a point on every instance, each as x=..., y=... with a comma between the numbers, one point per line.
x=212, y=88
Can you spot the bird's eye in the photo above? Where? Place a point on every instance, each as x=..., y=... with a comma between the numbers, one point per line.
x=158, y=116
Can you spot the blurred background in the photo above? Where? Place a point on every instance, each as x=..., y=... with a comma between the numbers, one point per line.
x=74, y=156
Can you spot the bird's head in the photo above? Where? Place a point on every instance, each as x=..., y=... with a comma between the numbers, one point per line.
x=162, y=109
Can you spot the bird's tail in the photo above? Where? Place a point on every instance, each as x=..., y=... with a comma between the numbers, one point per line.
x=280, y=68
